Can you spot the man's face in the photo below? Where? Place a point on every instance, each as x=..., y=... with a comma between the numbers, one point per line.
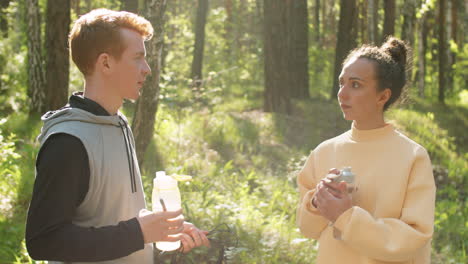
x=131, y=69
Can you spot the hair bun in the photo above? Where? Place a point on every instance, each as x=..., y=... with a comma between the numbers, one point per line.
x=397, y=49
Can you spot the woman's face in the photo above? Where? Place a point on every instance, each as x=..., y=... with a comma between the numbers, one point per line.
x=358, y=96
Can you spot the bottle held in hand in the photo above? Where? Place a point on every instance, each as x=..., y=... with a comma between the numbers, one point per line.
x=166, y=196
x=347, y=176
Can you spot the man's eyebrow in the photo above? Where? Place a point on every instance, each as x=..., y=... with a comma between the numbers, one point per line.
x=356, y=78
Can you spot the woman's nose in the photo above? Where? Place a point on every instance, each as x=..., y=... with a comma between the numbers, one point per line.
x=342, y=92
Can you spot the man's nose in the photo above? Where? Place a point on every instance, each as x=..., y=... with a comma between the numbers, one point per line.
x=146, y=69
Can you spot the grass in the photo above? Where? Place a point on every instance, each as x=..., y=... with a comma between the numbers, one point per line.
x=244, y=163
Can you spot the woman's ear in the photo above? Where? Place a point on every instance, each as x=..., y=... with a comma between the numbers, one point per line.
x=384, y=96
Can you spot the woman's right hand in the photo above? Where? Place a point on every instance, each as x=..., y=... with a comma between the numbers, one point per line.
x=331, y=198
x=327, y=182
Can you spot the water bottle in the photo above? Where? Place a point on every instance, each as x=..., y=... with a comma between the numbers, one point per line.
x=347, y=176
x=165, y=194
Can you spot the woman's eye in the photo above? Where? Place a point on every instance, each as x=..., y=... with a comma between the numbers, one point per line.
x=355, y=85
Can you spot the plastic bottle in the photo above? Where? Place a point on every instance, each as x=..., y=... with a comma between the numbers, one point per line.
x=165, y=188
x=347, y=176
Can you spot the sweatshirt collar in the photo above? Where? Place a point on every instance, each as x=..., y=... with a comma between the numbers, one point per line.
x=77, y=100
x=371, y=134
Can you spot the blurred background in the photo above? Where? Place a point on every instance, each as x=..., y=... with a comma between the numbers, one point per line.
x=241, y=91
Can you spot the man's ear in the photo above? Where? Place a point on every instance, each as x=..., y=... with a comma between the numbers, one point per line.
x=384, y=96
x=104, y=63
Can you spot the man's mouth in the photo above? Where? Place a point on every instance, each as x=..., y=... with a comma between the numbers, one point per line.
x=344, y=106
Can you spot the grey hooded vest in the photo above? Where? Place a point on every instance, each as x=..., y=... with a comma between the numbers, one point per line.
x=115, y=189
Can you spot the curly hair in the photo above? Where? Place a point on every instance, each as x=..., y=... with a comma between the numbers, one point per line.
x=98, y=32
x=391, y=62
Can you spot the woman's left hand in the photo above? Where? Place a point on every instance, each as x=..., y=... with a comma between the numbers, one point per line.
x=193, y=237
x=332, y=199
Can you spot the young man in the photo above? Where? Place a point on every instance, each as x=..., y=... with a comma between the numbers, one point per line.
x=88, y=203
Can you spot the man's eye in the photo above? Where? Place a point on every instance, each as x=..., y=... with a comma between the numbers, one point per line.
x=355, y=85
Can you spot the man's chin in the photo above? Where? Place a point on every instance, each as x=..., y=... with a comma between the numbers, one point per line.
x=133, y=97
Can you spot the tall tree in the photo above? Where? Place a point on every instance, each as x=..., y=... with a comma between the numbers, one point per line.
x=452, y=36
x=409, y=18
x=228, y=25
x=346, y=39
x=276, y=94
x=147, y=104
x=389, y=19
x=57, y=64
x=373, y=18
x=442, y=50
x=76, y=7
x=422, y=47
x=130, y=5
x=317, y=21
x=298, y=44
x=362, y=21
x=3, y=20
x=197, y=62
x=35, y=66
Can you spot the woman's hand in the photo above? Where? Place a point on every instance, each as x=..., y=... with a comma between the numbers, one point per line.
x=193, y=237
x=332, y=198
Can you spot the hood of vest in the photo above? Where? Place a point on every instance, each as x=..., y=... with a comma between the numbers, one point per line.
x=67, y=114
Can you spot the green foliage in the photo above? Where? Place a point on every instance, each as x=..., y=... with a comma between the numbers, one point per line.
x=450, y=162
x=17, y=154
x=244, y=161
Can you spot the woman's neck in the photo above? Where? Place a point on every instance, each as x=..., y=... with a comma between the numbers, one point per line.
x=368, y=124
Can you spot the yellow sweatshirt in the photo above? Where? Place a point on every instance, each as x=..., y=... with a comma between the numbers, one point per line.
x=392, y=217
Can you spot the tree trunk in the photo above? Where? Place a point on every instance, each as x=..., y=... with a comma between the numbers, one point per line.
x=147, y=104
x=373, y=18
x=389, y=19
x=442, y=50
x=35, y=66
x=3, y=19
x=422, y=47
x=276, y=94
x=454, y=29
x=363, y=21
x=76, y=6
x=57, y=29
x=346, y=39
x=317, y=21
x=130, y=6
x=409, y=17
x=197, y=62
x=228, y=30
x=298, y=48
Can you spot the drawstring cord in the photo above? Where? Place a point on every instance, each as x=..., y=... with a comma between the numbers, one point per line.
x=131, y=162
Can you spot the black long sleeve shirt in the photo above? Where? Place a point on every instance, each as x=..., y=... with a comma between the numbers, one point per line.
x=62, y=182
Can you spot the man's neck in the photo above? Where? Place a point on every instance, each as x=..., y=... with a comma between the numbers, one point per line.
x=102, y=95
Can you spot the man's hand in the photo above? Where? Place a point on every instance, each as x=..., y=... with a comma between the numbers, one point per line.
x=161, y=226
x=193, y=237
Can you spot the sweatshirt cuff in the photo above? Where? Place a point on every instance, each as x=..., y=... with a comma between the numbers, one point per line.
x=343, y=220
x=310, y=221
x=307, y=203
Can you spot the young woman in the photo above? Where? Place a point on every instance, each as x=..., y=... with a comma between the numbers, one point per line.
x=389, y=218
